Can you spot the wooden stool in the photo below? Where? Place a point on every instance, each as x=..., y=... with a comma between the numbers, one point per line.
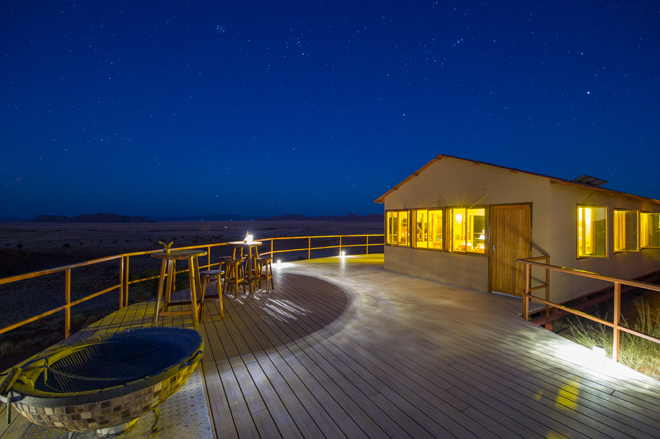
x=264, y=272
x=234, y=275
x=207, y=276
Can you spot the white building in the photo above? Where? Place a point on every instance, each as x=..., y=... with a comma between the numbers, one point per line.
x=465, y=223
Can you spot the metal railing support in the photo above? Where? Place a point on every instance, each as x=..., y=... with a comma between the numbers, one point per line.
x=67, y=301
x=616, y=339
x=617, y=283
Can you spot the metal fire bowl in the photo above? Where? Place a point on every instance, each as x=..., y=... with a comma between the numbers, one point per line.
x=107, y=381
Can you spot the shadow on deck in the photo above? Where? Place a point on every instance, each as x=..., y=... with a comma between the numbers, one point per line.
x=347, y=349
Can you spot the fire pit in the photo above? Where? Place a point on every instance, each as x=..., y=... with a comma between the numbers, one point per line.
x=104, y=383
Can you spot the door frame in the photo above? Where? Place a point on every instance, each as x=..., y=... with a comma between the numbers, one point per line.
x=490, y=243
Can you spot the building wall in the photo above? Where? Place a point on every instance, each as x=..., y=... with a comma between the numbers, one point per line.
x=451, y=182
x=623, y=265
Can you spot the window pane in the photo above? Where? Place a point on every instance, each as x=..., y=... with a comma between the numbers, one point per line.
x=403, y=235
x=457, y=225
x=476, y=230
x=625, y=230
x=388, y=225
x=650, y=230
x=632, y=235
x=592, y=231
x=435, y=229
x=421, y=229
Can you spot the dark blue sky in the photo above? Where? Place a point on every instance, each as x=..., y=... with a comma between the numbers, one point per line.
x=176, y=108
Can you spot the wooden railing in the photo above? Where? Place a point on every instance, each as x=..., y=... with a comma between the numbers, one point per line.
x=615, y=324
x=124, y=269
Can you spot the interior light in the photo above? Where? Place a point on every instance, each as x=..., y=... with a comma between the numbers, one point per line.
x=459, y=218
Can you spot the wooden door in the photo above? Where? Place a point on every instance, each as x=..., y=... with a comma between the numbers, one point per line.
x=510, y=239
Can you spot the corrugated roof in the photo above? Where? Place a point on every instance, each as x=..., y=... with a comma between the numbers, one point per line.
x=555, y=180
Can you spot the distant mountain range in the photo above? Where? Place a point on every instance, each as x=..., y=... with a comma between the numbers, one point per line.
x=113, y=218
x=351, y=217
x=90, y=218
x=203, y=218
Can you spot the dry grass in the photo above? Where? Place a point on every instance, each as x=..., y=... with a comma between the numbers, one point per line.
x=635, y=352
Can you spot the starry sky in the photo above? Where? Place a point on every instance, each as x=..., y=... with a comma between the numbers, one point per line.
x=178, y=108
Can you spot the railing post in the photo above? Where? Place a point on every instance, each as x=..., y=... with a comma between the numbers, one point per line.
x=525, y=309
x=309, y=247
x=126, y=280
x=367, y=245
x=121, y=282
x=547, y=292
x=67, y=300
x=340, y=245
x=617, y=319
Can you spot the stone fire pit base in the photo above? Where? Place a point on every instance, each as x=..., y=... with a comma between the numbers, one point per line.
x=182, y=416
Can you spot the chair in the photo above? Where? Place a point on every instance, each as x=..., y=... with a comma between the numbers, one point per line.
x=207, y=276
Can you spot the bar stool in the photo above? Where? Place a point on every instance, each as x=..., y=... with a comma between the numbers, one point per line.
x=264, y=271
x=234, y=275
x=207, y=276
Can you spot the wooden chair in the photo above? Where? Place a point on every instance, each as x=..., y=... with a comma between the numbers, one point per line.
x=264, y=272
x=207, y=276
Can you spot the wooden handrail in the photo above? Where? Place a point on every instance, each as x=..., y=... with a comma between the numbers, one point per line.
x=124, y=273
x=615, y=324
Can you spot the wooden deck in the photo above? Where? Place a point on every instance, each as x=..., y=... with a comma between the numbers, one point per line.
x=347, y=349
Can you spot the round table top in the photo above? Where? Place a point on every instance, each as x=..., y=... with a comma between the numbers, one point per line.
x=245, y=243
x=178, y=254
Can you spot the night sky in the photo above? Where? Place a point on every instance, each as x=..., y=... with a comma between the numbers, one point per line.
x=175, y=108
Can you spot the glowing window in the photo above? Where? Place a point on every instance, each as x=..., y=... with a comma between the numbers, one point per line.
x=467, y=230
x=428, y=229
x=592, y=232
x=626, y=224
x=398, y=232
x=650, y=230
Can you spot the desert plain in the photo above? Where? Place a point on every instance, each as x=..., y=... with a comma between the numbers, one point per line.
x=26, y=247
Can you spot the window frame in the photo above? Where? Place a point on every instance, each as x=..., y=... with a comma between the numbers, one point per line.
x=620, y=232
x=449, y=222
x=644, y=234
x=579, y=235
x=430, y=233
x=388, y=229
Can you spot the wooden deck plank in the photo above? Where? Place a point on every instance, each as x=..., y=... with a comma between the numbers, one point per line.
x=240, y=417
x=283, y=379
x=555, y=386
x=314, y=362
x=351, y=429
x=408, y=383
x=395, y=389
